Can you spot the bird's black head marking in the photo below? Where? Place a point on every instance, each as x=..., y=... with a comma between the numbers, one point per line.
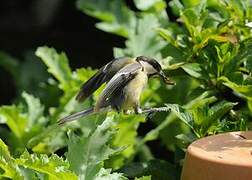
x=154, y=63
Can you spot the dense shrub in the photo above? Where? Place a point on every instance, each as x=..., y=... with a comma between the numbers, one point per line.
x=207, y=51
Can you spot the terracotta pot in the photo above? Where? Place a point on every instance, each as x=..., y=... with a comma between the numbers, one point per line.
x=225, y=156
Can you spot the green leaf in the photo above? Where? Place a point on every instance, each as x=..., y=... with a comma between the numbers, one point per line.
x=148, y=4
x=167, y=35
x=7, y=164
x=191, y=3
x=194, y=20
x=206, y=118
x=181, y=113
x=219, y=110
x=57, y=65
x=157, y=169
x=144, y=178
x=54, y=167
x=116, y=16
x=35, y=110
x=83, y=74
x=176, y=7
x=95, y=149
x=126, y=136
x=195, y=70
x=15, y=120
x=105, y=174
x=49, y=133
x=144, y=41
x=24, y=122
x=243, y=90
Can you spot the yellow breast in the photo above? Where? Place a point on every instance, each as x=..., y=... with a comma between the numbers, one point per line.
x=134, y=90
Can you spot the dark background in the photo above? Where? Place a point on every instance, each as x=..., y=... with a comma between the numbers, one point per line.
x=58, y=23
x=27, y=24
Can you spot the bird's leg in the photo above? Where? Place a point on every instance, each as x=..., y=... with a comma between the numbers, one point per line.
x=154, y=110
x=138, y=110
x=151, y=111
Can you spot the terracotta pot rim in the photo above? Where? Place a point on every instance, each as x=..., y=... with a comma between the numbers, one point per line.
x=234, y=162
x=216, y=159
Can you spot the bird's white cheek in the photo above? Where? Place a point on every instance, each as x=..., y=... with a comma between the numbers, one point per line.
x=148, y=68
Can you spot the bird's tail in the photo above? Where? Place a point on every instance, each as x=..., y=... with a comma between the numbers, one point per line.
x=75, y=116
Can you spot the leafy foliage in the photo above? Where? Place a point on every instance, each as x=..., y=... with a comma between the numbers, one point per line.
x=207, y=51
x=33, y=166
x=95, y=150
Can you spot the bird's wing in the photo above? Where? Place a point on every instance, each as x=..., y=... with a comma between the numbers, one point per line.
x=117, y=83
x=103, y=75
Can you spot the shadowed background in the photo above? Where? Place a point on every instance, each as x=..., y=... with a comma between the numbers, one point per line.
x=25, y=25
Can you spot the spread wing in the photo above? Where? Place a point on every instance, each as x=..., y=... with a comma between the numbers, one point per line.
x=115, y=86
x=103, y=75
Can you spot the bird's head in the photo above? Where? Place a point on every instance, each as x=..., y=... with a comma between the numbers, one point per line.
x=152, y=67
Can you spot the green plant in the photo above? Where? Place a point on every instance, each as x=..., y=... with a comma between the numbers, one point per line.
x=206, y=51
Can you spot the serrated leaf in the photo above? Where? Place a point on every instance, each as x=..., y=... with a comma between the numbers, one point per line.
x=24, y=123
x=15, y=119
x=219, y=110
x=7, y=164
x=116, y=16
x=144, y=41
x=106, y=174
x=57, y=65
x=54, y=167
x=126, y=136
x=206, y=118
x=181, y=113
x=35, y=110
x=95, y=149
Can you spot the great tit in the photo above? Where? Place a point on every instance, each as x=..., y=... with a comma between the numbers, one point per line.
x=125, y=80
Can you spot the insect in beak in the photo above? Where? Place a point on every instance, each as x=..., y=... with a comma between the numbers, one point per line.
x=166, y=79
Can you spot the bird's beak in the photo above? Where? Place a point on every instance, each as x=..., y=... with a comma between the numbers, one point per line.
x=166, y=79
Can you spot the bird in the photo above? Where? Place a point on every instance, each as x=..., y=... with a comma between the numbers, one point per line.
x=125, y=80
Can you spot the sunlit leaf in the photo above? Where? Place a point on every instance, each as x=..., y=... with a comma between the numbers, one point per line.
x=15, y=119
x=143, y=41
x=243, y=90
x=148, y=4
x=95, y=149
x=35, y=110
x=116, y=16
x=54, y=167
x=106, y=174
x=7, y=164
x=57, y=65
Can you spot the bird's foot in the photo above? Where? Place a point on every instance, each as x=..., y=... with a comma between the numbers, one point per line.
x=151, y=111
x=154, y=110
